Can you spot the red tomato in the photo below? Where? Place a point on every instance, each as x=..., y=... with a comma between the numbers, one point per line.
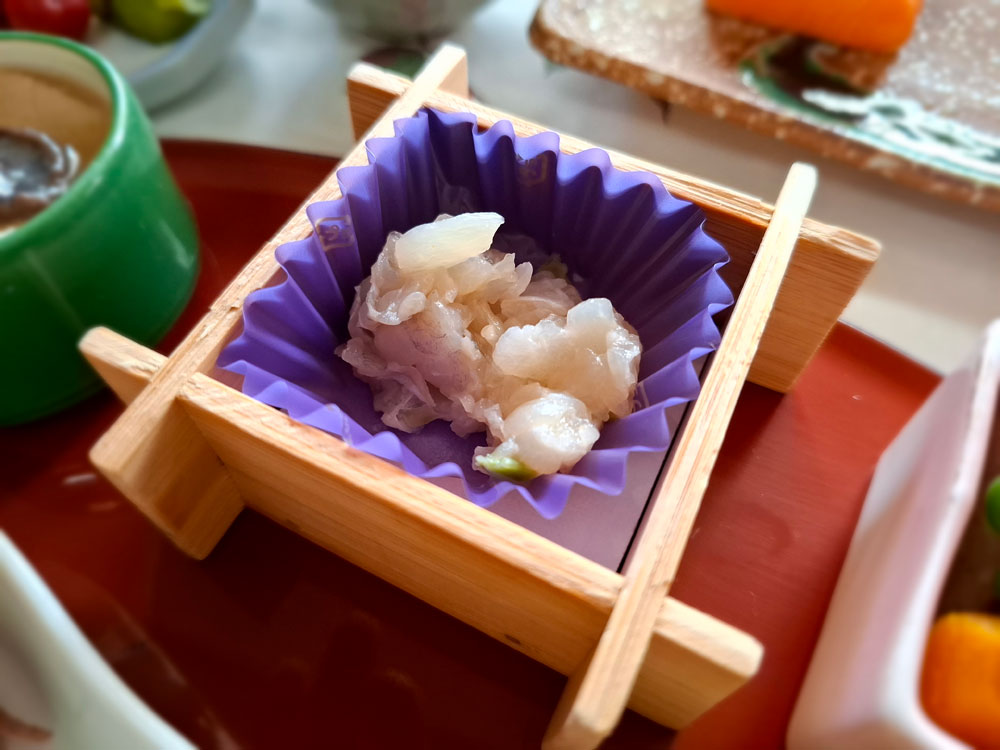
x=60, y=17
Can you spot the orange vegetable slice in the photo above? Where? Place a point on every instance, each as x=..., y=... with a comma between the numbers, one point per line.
x=879, y=25
x=960, y=685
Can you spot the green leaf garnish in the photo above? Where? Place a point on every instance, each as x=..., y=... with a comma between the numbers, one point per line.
x=506, y=468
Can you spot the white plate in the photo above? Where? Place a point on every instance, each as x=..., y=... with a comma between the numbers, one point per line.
x=862, y=687
x=52, y=678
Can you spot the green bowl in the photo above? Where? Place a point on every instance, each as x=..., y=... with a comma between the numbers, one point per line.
x=119, y=249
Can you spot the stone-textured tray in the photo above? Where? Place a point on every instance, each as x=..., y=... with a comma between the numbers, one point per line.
x=930, y=121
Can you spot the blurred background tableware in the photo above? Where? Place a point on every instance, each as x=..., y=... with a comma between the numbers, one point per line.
x=55, y=690
x=165, y=48
x=923, y=112
x=161, y=73
x=403, y=20
x=118, y=247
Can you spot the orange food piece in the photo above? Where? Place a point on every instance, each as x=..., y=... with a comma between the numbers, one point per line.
x=879, y=25
x=960, y=685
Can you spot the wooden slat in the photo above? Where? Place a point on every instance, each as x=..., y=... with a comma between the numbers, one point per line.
x=827, y=269
x=153, y=454
x=365, y=110
x=599, y=689
x=464, y=560
x=512, y=584
x=127, y=367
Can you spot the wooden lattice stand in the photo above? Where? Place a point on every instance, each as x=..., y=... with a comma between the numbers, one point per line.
x=191, y=452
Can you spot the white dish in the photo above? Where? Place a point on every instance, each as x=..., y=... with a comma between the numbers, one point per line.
x=159, y=73
x=862, y=687
x=52, y=678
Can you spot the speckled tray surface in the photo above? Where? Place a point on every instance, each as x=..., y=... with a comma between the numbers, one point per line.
x=928, y=117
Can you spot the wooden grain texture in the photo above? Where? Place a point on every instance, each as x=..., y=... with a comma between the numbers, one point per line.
x=676, y=51
x=461, y=558
x=191, y=496
x=365, y=109
x=598, y=691
x=827, y=269
x=124, y=365
x=514, y=585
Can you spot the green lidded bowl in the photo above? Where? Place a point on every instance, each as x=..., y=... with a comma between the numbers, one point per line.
x=118, y=249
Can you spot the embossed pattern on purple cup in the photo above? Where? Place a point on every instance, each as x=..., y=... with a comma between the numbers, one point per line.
x=622, y=235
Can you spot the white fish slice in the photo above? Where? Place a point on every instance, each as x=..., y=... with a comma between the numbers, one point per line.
x=446, y=242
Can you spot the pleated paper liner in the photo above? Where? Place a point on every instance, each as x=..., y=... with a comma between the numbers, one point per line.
x=620, y=233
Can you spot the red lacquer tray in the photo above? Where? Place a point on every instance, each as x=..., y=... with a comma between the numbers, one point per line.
x=273, y=642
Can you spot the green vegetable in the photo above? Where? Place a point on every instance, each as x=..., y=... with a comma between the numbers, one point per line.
x=556, y=267
x=506, y=468
x=158, y=21
x=993, y=504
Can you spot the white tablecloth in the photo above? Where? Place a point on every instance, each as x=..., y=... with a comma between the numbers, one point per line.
x=934, y=289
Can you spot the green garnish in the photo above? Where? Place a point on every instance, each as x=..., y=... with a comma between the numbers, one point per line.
x=556, y=267
x=158, y=21
x=506, y=468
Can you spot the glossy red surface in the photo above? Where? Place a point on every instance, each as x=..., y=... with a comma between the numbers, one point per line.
x=273, y=642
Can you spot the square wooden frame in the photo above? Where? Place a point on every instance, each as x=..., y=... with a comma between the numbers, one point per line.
x=191, y=452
